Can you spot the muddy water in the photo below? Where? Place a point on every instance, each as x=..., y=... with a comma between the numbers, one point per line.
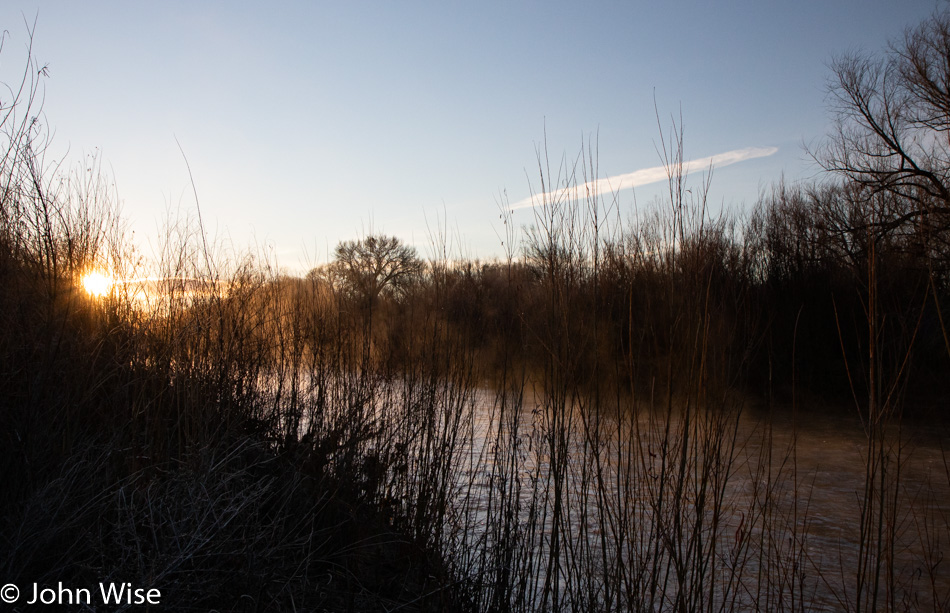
x=785, y=532
x=796, y=499
x=904, y=501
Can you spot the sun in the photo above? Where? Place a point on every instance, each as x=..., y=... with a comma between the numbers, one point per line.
x=97, y=284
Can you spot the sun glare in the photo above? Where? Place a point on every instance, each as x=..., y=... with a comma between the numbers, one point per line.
x=97, y=284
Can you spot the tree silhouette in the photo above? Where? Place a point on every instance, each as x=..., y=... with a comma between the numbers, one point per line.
x=375, y=266
x=892, y=118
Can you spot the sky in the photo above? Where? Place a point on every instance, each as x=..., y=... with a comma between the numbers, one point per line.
x=307, y=123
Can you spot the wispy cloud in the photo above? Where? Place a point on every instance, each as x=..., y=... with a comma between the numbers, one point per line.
x=645, y=176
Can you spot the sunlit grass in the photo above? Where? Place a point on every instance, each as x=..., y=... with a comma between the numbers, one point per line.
x=97, y=284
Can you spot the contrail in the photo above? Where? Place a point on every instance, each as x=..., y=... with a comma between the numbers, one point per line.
x=655, y=174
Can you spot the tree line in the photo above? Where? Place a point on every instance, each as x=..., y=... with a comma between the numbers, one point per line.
x=818, y=284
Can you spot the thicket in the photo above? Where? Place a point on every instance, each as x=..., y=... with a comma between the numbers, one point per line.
x=785, y=286
x=164, y=433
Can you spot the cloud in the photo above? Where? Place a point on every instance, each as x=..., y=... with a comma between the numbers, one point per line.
x=655, y=174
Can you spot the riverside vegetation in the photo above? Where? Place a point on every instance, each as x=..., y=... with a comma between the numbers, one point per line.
x=555, y=430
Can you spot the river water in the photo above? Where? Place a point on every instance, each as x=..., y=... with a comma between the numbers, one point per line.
x=574, y=504
x=754, y=508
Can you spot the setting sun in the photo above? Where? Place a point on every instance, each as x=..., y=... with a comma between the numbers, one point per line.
x=97, y=284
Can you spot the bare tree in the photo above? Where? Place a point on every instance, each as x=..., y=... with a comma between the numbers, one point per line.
x=375, y=266
x=892, y=124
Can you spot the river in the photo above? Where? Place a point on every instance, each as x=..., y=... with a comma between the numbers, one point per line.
x=726, y=508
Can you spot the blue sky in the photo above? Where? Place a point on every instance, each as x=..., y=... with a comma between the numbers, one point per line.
x=308, y=123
